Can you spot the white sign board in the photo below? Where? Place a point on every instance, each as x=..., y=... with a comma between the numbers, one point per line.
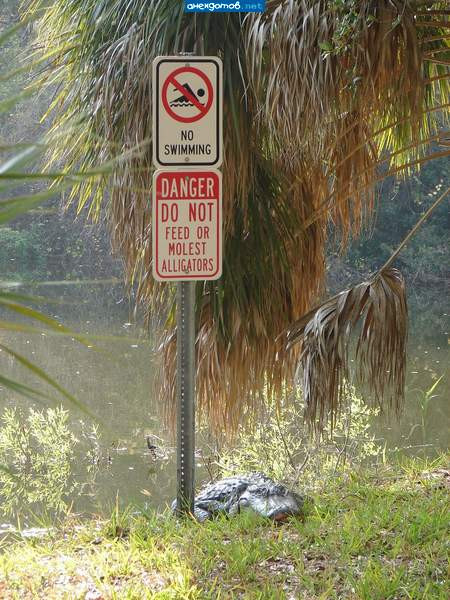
x=187, y=225
x=187, y=111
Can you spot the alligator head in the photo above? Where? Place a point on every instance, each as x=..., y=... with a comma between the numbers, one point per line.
x=274, y=502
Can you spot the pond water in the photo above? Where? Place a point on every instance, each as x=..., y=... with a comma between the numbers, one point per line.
x=116, y=384
x=113, y=379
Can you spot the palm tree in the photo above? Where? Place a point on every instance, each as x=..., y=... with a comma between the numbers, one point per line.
x=323, y=98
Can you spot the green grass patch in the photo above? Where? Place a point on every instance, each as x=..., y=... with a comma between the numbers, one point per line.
x=371, y=536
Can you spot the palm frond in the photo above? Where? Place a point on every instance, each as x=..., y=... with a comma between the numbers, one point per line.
x=378, y=308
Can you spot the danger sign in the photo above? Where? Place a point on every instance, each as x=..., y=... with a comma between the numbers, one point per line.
x=187, y=111
x=187, y=225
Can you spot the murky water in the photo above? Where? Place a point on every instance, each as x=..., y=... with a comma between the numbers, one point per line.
x=113, y=379
x=116, y=384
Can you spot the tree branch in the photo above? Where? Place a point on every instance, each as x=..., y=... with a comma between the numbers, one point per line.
x=425, y=216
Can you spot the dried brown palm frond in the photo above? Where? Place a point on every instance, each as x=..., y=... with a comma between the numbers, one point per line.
x=378, y=308
x=316, y=94
x=366, y=95
x=323, y=336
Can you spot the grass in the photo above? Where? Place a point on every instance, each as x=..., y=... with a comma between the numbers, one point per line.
x=369, y=536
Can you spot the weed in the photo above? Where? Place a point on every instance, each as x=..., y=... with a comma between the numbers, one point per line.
x=39, y=452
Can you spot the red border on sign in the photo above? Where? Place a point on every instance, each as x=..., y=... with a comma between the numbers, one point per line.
x=203, y=110
x=158, y=198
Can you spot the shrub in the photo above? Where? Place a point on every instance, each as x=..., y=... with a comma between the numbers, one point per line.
x=38, y=452
x=21, y=253
x=279, y=444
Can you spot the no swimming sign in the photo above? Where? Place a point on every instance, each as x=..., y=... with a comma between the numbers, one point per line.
x=187, y=111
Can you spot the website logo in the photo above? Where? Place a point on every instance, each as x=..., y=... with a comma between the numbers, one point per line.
x=225, y=6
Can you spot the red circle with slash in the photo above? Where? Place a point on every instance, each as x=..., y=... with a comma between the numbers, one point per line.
x=202, y=108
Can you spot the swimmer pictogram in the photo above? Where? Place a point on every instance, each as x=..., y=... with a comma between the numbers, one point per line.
x=186, y=100
x=183, y=100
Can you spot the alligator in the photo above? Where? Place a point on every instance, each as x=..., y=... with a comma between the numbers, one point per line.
x=252, y=491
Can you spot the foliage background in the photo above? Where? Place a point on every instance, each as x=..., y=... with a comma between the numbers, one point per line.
x=47, y=243
x=319, y=95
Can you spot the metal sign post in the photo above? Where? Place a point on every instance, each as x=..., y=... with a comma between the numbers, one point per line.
x=185, y=395
x=187, y=216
